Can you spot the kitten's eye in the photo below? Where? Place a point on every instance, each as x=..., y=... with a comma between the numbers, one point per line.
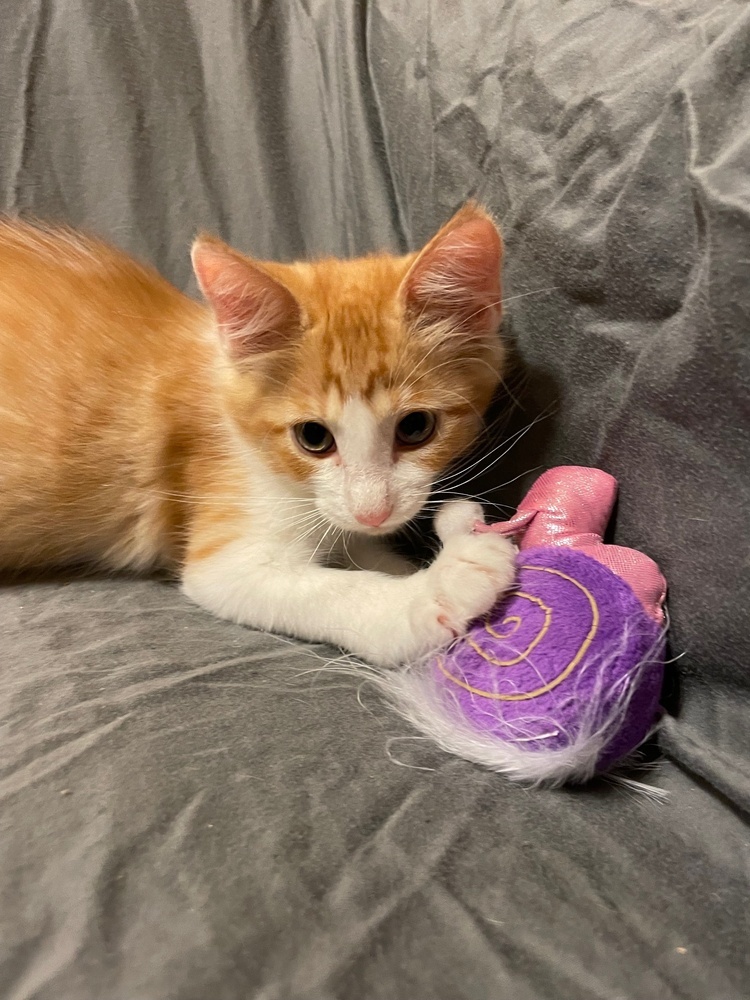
x=314, y=437
x=416, y=428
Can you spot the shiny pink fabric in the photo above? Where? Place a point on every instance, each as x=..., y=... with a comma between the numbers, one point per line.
x=571, y=506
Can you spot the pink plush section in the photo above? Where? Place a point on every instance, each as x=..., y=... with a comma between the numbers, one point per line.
x=570, y=506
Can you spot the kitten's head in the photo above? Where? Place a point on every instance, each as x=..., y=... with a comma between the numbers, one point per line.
x=362, y=379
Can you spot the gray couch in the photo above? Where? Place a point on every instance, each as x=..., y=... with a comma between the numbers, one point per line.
x=188, y=809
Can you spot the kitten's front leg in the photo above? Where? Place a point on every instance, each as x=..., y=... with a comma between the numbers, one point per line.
x=384, y=619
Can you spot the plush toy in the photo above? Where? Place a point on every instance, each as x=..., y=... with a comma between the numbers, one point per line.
x=563, y=677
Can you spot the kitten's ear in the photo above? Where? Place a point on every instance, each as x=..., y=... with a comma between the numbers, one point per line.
x=254, y=312
x=455, y=280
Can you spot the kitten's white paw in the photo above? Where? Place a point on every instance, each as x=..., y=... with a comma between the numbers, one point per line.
x=457, y=517
x=469, y=575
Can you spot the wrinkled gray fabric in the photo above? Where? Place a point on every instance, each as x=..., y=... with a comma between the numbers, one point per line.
x=186, y=811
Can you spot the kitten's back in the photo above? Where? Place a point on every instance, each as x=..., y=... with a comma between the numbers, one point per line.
x=96, y=352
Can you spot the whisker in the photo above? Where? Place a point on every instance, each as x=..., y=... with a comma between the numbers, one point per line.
x=317, y=526
x=317, y=547
x=221, y=497
x=485, y=460
x=513, y=298
x=420, y=361
x=534, y=291
x=300, y=522
x=502, y=486
x=490, y=457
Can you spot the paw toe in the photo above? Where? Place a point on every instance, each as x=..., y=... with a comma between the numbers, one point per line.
x=457, y=517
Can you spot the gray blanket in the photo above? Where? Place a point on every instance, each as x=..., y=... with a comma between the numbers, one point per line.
x=190, y=810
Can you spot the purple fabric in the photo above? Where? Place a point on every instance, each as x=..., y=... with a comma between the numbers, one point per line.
x=572, y=651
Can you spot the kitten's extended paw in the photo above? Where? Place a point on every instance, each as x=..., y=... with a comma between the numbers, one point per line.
x=457, y=517
x=471, y=572
x=468, y=577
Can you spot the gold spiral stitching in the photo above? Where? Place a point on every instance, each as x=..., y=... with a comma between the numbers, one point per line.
x=565, y=672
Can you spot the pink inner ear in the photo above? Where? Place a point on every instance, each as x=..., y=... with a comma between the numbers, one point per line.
x=457, y=277
x=254, y=312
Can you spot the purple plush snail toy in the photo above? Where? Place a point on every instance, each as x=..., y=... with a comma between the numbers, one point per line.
x=563, y=678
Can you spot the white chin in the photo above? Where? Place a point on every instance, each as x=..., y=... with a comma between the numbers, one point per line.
x=382, y=529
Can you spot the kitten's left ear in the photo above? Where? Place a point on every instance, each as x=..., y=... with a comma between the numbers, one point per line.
x=255, y=313
x=455, y=280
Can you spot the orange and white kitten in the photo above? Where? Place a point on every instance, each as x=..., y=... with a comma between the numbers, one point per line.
x=254, y=446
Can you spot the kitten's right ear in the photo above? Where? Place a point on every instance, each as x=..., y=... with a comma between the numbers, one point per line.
x=255, y=313
x=455, y=279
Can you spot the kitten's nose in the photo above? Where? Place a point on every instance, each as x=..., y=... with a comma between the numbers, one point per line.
x=374, y=518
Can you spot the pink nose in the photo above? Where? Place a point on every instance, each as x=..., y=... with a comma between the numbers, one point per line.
x=374, y=518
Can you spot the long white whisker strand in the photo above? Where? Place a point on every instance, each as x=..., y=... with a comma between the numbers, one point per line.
x=513, y=298
x=430, y=371
x=347, y=553
x=435, y=505
x=534, y=291
x=315, y=518
x=304, y=531
x=484, y=456
x=306, y=534
x=486, y=459
x=317, y=547
x=300, y=522
x=310, y=527
x=405, y=350
x=458, y=395
x=408, y=378
x=452, y=362
x=494, y=487
x=213, y=497
x=300, y=513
